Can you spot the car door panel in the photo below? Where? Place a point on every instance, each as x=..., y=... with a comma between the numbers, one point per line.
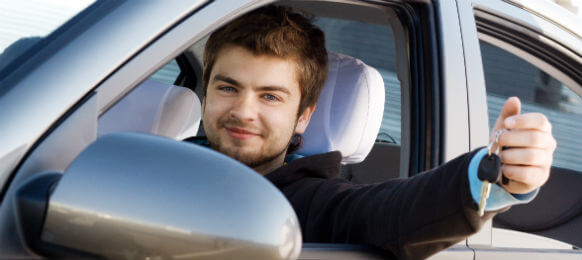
x=522, y=47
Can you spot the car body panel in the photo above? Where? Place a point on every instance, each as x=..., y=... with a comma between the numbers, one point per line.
x=454, y=78
x=551, y=25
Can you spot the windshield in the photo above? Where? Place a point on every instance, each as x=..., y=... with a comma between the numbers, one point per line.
x=24, y=23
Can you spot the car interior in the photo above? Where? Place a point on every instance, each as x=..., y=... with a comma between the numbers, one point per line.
x=174, y=111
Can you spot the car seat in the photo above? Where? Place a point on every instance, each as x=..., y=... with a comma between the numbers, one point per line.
x=349, y=111
x=156, y=108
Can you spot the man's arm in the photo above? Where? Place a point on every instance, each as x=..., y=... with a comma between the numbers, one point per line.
x=416, y=217
x=412, y=218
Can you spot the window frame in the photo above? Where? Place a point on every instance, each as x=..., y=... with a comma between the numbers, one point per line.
x=534, y=47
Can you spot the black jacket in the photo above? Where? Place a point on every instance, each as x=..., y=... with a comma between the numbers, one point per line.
x=411, y=218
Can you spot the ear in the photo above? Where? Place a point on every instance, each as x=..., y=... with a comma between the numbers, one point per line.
x=303, y=119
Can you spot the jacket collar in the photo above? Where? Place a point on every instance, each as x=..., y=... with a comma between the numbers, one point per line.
x=326, y=165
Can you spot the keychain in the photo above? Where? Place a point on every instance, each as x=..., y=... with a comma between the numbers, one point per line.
x=489, y=170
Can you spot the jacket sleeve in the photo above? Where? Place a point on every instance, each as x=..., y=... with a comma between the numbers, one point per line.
x=413, y=218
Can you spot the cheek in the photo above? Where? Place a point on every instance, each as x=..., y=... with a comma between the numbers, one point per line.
x=213, y=112
x=279, y=122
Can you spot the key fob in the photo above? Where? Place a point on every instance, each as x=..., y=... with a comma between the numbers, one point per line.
x=490, y=169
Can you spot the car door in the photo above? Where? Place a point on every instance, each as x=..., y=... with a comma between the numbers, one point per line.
x=526, y=53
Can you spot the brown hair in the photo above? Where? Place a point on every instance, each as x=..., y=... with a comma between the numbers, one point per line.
x=278, y=31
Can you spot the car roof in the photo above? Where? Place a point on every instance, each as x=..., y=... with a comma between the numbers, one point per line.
x=553, y=13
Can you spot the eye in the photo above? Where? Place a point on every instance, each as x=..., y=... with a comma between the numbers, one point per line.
x=271, y=97
x=227, y=89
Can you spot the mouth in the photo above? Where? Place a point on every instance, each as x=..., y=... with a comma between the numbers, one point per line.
x=240, y=133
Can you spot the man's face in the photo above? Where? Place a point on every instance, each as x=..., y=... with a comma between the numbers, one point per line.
x=251, y=104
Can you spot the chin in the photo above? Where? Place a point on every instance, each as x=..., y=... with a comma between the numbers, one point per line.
x=242, y=155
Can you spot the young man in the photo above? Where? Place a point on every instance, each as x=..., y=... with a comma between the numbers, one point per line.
x=263, y=73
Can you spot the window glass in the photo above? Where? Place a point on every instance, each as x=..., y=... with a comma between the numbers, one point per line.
x=374, y=45
x=144, y=108
x=167, y=74
x=508, y=75
x=25, y=23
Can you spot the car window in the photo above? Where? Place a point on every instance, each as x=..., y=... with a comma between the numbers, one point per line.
x=167, y=74
x=507, y=75
x=151, y=100
x=377, y=51
x=24, y=23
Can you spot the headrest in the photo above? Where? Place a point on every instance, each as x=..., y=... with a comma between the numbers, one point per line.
x=349, y=111
x=156, y=108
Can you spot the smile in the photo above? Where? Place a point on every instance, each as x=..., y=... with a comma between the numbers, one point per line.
x=240, y=133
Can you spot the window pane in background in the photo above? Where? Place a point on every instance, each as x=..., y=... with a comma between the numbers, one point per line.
x=167, y=74
x=374, y=45
x=508, y=75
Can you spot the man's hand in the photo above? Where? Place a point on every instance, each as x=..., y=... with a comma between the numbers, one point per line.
x=527, y=164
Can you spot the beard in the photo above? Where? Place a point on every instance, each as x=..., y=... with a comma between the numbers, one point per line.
x=250, y=159
x=243, y=152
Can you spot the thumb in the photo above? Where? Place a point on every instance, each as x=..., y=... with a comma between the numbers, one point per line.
x=511, y=107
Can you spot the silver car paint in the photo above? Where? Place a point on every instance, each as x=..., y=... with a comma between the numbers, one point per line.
x=115, y=201
x=46, y=93
x=51, y=89
x=456, y=132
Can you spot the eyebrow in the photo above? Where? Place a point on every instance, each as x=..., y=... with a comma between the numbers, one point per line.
x=234, y=82
x=226, y=79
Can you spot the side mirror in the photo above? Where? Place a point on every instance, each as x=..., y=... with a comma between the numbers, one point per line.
x=135, y=196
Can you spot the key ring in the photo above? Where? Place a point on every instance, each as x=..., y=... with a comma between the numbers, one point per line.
x=495, y=141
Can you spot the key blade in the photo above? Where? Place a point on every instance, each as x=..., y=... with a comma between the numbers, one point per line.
x=485, y=190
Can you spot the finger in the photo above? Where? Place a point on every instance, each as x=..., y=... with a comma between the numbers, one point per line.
x=530, y=175
x=516, y=187
x=511, y=107
x=527, y=138
x=526, y=156
x=536, y=121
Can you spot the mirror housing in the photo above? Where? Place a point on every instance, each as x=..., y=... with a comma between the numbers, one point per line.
x=136, y=196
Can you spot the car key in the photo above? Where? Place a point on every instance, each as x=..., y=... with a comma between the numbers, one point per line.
x=489, y=171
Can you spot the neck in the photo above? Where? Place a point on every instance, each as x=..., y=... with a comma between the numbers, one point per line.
x=271, y=165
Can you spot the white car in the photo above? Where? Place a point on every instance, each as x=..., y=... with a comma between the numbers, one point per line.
x=75, y=182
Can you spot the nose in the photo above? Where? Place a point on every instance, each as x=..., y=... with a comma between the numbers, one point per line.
x=244, y=108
